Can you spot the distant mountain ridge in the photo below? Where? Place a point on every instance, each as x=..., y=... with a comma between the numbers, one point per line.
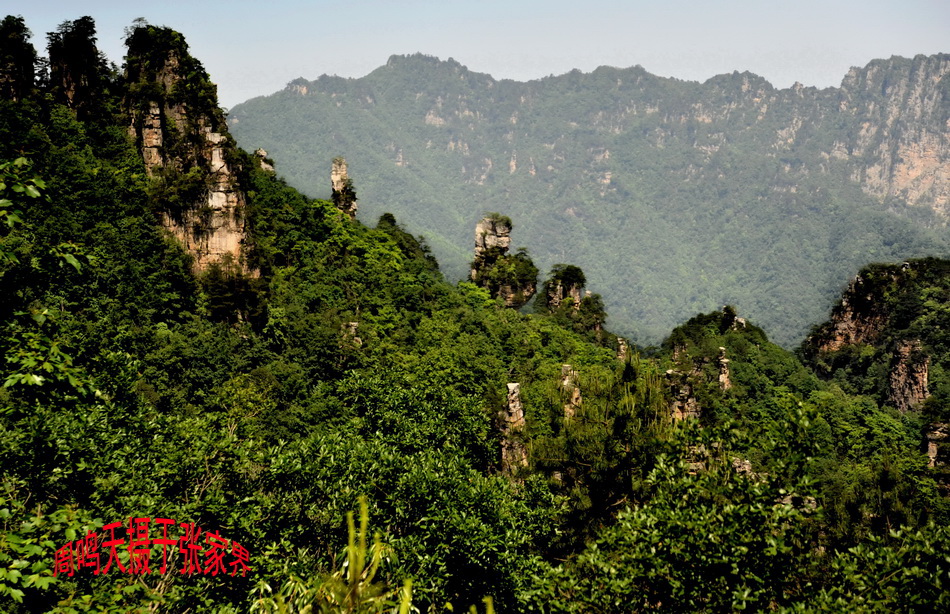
x=675, y=197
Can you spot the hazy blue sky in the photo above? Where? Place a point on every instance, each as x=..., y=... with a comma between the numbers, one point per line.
x=254, y=47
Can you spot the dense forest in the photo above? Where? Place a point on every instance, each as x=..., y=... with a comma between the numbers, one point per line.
x=222, y=395
x=675, y=197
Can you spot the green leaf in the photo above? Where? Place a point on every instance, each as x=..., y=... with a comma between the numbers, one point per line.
x=72, y=260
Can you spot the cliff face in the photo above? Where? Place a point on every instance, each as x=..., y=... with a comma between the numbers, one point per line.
x=187, y=150
x=887, y=334
x=908, y=376
x=858, y=319
x=900, y=145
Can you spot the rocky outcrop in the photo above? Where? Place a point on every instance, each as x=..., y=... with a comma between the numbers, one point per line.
x=561, y=292
x=561, y=289
x=350, y=335
x=510, y=277
x=623, y=349
x=263, y=161
x=77, y=71
x=344, y=196
x=725, y=383
x=492, y=234
x=514, y=452
x=858, y=319
x=570, y=391
x=186, y=148
x=936, y=437
x=693, y=374
x=908, y=376
x=683, y=402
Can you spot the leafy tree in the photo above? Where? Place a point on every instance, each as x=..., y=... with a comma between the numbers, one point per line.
x=17, y=60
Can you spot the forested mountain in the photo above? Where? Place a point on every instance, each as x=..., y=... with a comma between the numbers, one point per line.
x=674, y=197
x=205, y=371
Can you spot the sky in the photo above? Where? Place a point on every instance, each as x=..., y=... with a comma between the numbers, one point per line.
x=255, y=47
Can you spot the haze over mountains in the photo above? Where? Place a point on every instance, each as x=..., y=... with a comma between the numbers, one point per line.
x=674, y=197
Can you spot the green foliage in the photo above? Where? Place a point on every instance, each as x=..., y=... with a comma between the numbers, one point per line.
x=350, y=589
x=675, y=197
x=905, y=571
x=502, y=273
x=729, y=549
x=79, y=73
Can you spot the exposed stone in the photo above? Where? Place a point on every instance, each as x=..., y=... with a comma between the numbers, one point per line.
x=517, y=282
x=514, y=452
x=742, y=466
x=344, y=197
x=178, y=141
x=908, y=375
x=683, y=403
x=623, y=349
x=859, y=318
x=75, y=64
x=571, y=391
x=514, y=297
x=936, y=437
x=724, y=382
x=350, y=332
x=902, y=144
x=262, y=160
x=558, y=293
x=491, y=232
x=152, y=141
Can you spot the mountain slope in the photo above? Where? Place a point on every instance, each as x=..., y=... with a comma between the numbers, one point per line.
x=674, y=197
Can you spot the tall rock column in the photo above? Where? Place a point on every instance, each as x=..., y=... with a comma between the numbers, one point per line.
x=188, y=153
x=512, y=278
x=571, y=391
x=344, y=196
x=725, y=383
x=514, y=452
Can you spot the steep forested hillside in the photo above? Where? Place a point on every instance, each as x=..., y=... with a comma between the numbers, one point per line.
x=675, y=197
x=205, y=371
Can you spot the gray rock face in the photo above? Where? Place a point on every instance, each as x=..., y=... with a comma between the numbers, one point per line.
x=492, y=232
x=859, y=318
x=902, y=145
x=561, y=292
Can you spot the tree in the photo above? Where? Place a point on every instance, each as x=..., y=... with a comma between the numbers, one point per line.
x=17, y=59
x=77, y=68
